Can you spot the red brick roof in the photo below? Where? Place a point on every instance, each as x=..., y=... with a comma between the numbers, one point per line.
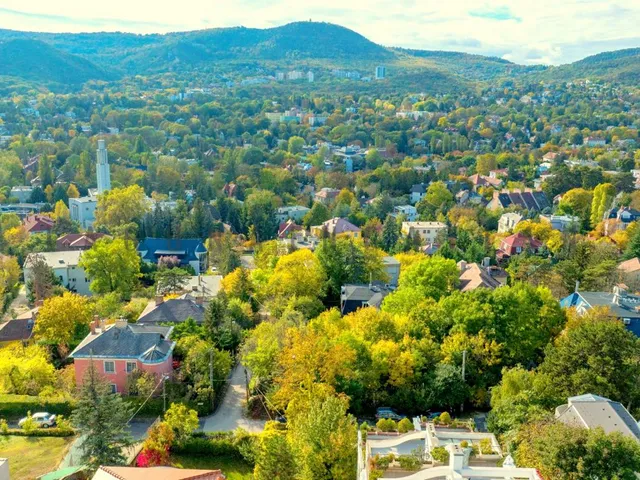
x=38, y=223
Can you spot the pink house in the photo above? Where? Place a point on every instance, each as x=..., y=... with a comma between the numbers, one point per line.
x=118, y=350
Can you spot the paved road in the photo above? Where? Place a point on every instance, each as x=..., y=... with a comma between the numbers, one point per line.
x=137, y=428
x=231, y=413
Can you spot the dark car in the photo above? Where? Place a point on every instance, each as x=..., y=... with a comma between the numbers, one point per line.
x=434, y=415
x=386, y=412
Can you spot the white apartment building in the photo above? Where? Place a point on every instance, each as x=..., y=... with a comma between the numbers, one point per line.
x=66, y=268
x=427, y=231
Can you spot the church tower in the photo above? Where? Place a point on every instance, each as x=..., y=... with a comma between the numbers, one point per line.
x=102, y=168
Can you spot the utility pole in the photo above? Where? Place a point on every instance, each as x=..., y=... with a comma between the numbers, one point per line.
x=464, y=366
x=164, y=393
x=211, y=375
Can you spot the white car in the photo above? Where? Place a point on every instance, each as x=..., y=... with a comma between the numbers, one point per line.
x=42, y=419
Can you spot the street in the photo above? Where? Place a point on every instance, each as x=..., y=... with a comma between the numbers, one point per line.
x=231, y=414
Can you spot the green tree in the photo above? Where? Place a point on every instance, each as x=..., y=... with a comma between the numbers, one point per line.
x=182, y=420
x=171, y=280
x=259, y=209
x=433, y=277
x=318, y=214
x=296, y=144
x=120, y=209
x=322, y=437
x=274, y=458
x=603, y=196
x=101, y=418
x=113, y=265
x=390, y=233
x=343, y=262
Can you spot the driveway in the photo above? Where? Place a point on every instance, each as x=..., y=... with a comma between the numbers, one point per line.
x=231, y=413
x=19, y=305
x=137, y=429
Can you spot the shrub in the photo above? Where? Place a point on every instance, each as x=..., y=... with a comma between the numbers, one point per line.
x=475, y=450
x=4, y=427
x=384, y=462
x=405, y=425
x=464, y=444
x=409, y=462
x=38, y=432
x=485, y=446
x=29, y=425
x=386, y=425
x=375, y=474
x=440, y=454
x=445, y=418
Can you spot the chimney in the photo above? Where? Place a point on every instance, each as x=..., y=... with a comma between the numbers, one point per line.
x=159, y=300
x=103, y=324
x=92, y=326
x=121, y=322
x=200, y=300
x=462, y=265
x=577, y=286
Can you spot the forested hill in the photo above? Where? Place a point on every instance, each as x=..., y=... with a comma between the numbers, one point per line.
x=38, y=61
x=620, y=65
x=75, y=58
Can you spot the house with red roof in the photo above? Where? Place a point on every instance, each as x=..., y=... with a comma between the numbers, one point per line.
x=516, y=244
x=38, y=224
x=78, y=241
x=288, y=229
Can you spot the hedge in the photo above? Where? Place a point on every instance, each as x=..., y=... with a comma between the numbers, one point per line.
x=39, y=432
x=16, y=406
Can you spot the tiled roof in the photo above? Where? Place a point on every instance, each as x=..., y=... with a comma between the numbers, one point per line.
x=129, y=341
x=175, y=310
x=340, y=225
x=38, y=223
x=78, y=240
x=18, y=329
x=157, y=473
x=630, y=266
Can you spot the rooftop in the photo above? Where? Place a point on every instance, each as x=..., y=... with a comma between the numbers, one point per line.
x=56, y=259
x=156, y=473
x=174, y=310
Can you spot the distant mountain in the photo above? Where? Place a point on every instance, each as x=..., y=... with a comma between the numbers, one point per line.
x=620, y=65
x=38, y=61
x=78, y=57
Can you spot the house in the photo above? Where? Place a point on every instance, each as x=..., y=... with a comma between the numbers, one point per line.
x=591, y=411
x=156, y=473
x=508, y=221
x=621, y=305
x=629, y=272
x=121, y=348
x=83, y=210
x=550, y=157
x=562, y=223
x=409, y=212
x=392, y=269
x=594, y=142
x=478, y=181
x=532, y=200
x=38, y=224
x=336, y=226
x=427, y=231
x=65, y=266
x=518, y=243
x=174, y=310
x=22, y=193
x=418, y=192
x=474, y=276
x=16, y=330
x=78, y=241
x=295, y=212
x=326, y=195
x=230, y=190
x=624, y=216
x=355, y=296
x=288, y=229
x=189, y=251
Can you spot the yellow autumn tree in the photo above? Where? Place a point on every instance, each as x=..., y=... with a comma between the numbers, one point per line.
x=59, y=316
x=72, y=191
x=298, y=273
x=61, y=210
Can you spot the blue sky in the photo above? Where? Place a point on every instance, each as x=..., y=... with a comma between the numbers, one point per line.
x=527, y=32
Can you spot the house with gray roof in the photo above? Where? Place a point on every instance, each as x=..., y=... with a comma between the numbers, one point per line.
x=621, y=304
x=174, y=310
x=115, y=351
x=355, y=296
x=591, y=411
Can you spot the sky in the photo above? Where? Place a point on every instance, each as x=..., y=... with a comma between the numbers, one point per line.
x=522, y=31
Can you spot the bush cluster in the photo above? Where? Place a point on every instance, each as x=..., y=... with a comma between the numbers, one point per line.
x=15, y=406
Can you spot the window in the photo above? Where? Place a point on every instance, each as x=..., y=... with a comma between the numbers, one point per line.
x=114, y=388
x=109, y=366
x=131, y=366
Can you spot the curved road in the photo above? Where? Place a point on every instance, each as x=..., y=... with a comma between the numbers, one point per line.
x=231, y=414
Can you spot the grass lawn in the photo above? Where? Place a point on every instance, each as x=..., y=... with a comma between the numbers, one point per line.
x=30, y=457
x=233, y=468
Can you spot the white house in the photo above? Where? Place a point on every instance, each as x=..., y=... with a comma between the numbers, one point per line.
x=295, y=212
x=66, y=268
x=83, y=210
x=418, y=192
x=562, y=222
x=508, y=221
x=22, y=193
x=408, y=211
x=427, y=231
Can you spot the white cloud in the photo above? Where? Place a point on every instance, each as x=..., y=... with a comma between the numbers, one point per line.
x=548, y=31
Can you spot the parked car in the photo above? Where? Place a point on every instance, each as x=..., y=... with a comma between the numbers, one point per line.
x=434, y=415
x=386, y=412
x=42, y=419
